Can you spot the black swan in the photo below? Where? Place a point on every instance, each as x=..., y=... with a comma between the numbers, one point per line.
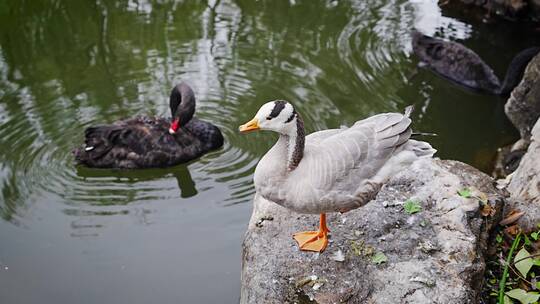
x=145, y=142
x=463, y=66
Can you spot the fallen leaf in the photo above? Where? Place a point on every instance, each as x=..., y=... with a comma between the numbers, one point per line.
x=482, y=197
x=511, y=218
x=303, y=281
x=523, y=265
x=523, y=296
x=487, y=210
x=379, y=258
x=465, y=192
x=512, y=230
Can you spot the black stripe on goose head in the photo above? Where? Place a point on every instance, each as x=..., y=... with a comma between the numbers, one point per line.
x=279, y=105
x=293, y=114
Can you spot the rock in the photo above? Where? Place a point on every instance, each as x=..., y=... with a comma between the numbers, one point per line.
x=433, y=256
x=523, y=106
x=524, y=186
x=507, y=158
x=523, y=110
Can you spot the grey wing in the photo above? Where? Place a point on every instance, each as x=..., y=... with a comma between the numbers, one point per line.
x=316, y=137
x=344, y=158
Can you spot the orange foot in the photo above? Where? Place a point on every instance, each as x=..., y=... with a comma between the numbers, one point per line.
x=313, y=240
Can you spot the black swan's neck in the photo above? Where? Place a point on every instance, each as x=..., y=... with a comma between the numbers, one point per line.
x=182, y=103
x=516, y=69
x=295, y=145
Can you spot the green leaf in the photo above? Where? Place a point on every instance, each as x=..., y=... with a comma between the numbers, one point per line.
x=534, y=236
x=507, y=300
x=412, y=206
x=523, y=296
x=499, y=238
x=536, y=262
x=527, y=241
x=379, y=258
x=525, y=264
x=537, y=285
x=465, y=192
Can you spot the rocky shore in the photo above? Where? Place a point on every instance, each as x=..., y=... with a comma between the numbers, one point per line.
x=523, y=185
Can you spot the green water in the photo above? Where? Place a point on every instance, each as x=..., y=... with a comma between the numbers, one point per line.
x=79, y=235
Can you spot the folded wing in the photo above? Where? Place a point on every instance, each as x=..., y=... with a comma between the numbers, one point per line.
x=345, y=157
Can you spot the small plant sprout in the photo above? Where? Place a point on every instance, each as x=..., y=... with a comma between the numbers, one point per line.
x=412, y=206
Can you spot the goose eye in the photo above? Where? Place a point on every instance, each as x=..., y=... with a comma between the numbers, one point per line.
x=268, y=117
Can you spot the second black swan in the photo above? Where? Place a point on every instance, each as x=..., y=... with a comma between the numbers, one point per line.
x=145, y=142
x=463, y=66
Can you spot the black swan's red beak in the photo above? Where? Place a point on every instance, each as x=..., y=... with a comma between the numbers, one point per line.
x=174, y=126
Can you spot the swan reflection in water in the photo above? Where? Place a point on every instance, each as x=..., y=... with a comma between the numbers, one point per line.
x=185, y=182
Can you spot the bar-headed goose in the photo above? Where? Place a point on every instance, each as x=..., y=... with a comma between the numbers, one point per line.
x=332, y=170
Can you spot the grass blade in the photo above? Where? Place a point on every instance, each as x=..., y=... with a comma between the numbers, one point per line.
x=502, y=282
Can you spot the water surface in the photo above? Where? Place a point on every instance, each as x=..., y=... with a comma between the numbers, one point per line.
x=76, y=235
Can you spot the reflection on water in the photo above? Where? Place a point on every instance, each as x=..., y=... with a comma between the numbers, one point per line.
x=65, y=65
x=430, y=20
x=181, y=173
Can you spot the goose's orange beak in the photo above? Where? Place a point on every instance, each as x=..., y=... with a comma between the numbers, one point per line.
x=252, y=125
